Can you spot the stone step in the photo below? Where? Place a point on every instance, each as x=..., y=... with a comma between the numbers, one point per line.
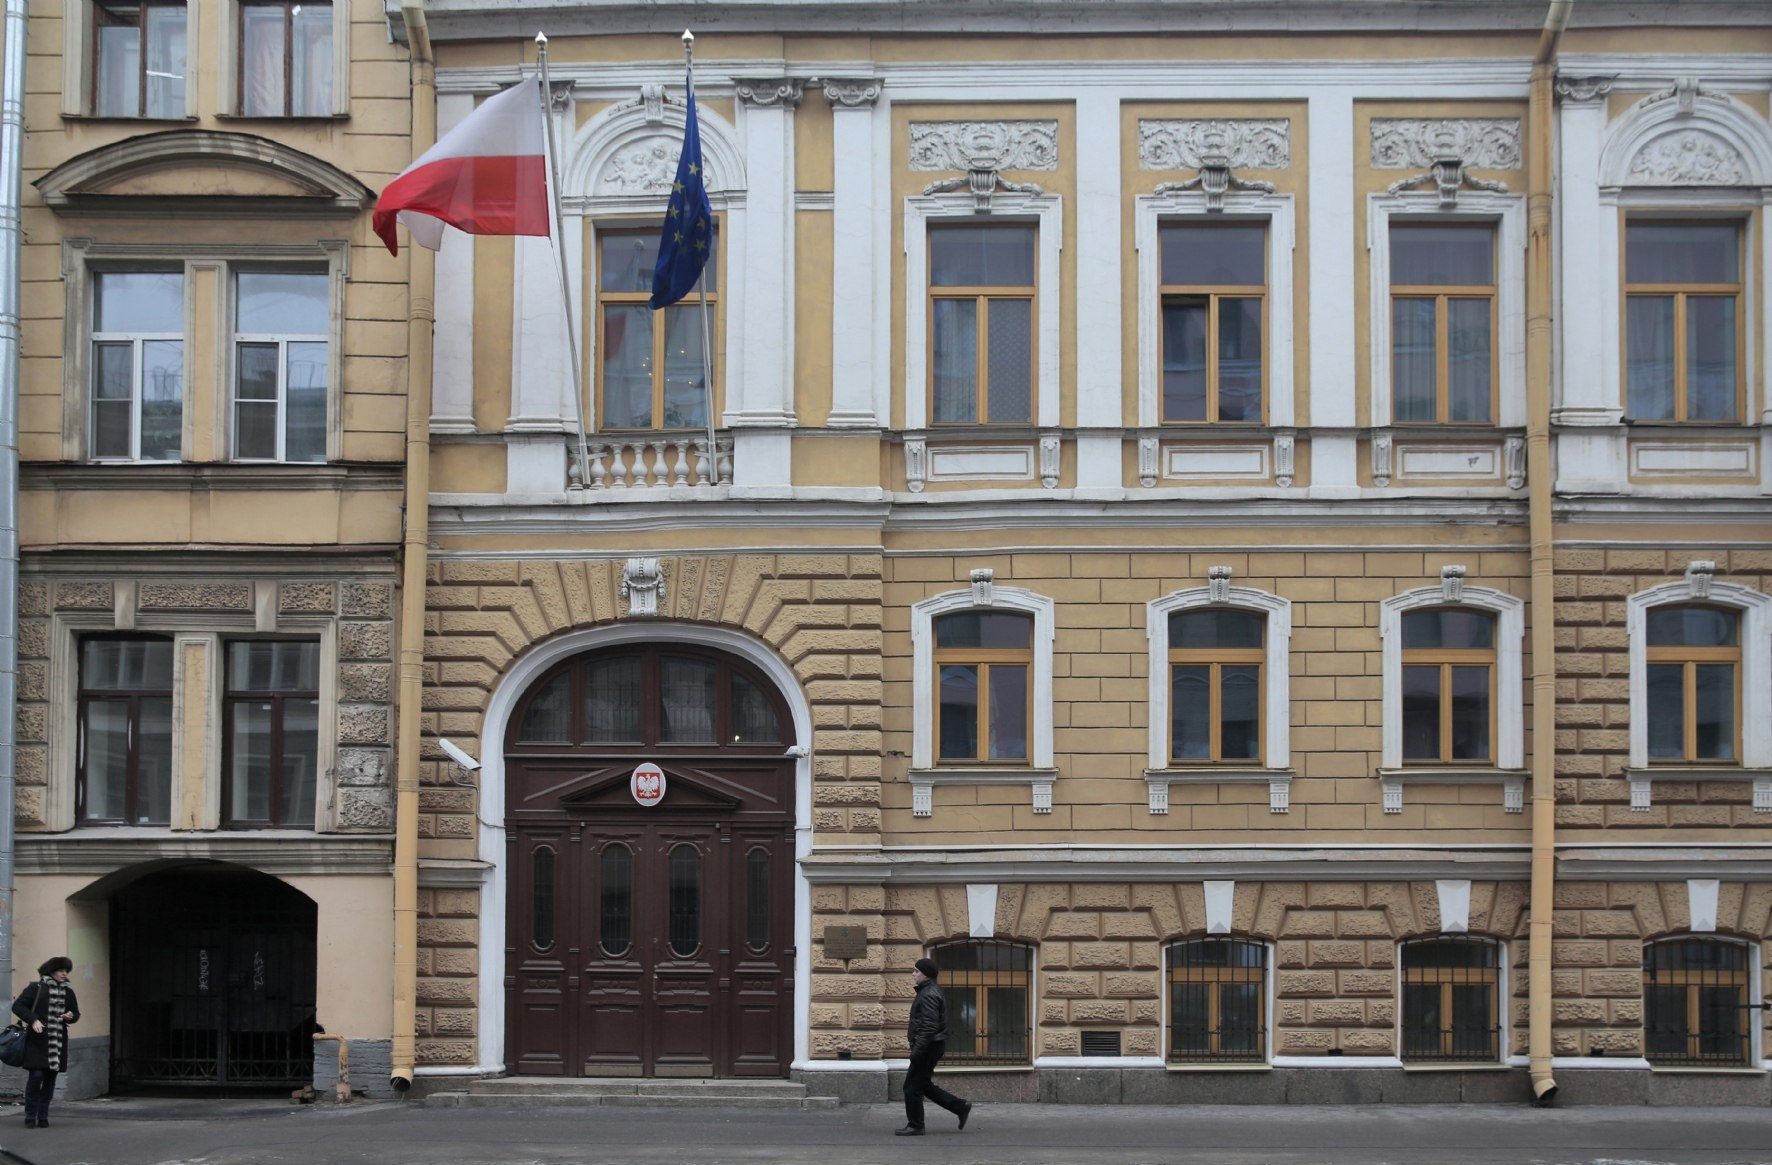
x=630, y=1086
x=650, y=1100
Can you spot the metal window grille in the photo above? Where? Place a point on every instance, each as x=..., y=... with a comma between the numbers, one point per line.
x=988, y=985
x=1218, y=1001
x=1451, y=1000
x=1696, y=1004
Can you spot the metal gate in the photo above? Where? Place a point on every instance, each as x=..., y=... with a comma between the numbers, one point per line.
x=214, y=983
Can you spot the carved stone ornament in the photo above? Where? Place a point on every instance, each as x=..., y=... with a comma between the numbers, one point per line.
x=983, y=594
x=1514, y=454
x=1245, y=143
x=784, y=92
x=1452, y=584
x=652, y=96
x=1218, y=583
x=981, y=184
x=1583, y=88
x=916, y=463
x=643, y=586
x=1285, y=446
x=1449, y=176
x=559, y=95
x=1381, y=459
x=1685, y=90
x=1213, y=180
x=1147, y=462
x=647, y=165
x=1689, y=157
x=1410, y=143
x=852, y=92
x=1698, y=578
x=1050, y=448
x=984, y=145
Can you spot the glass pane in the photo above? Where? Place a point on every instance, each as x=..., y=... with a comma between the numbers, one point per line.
x=305, y=409
x=1470, y=713
x=956, y=361
x=1414, y=361
x=113, y=391
x=1190, y=713
x=753, y=716
x=281, y=303
x=1184, y=359
x=1666, y=703
x=1448, y=627
x=1421, y=713
x=1710, y=358
x=983, y=629
x=153, y=763
x=687, y=694
x=255, y=409
x=959, y=712
x=1214, y=254
x=1190, y=1018
x=1471, y=1021
x=1664, y=1023
x=139, y=301
x=119, y=61
x=616, y=922
x=110, y=428
x=1421, y=1019
x=310, y=82
x=1239, y=731
x=105, y=751
x=1691, y=627
x=249, y=760
x=1009, y=711
x=627, y=366
x=1649, y=357
x=300, y=761
x=1682, y=252
x=1720, y=1015
x=261, y=61
x=1449, y=953
x=273, y=666
x=756, y=898
x=685, y=380
x=548, y=717
x=1239, y=1017
x=1215, y=628
x=541, y=898
x=1239, y=359
x=981, y=256
x=685, y=900
x=1715, y=714
x=627, y=260
x=1010, y=361
x=963, y=1020
x=126, y=664
x=1468, y=358
x=1442, y=254
x=166, y=60
x=1007, y=1036
x=163, y=399
x=612, y=701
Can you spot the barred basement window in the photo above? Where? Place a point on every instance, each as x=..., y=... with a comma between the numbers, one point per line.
x=1451, y=999
x=1696, y=1002
x=1217, y=1001
x=988, y=988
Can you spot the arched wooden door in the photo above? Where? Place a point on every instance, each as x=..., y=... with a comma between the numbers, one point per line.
x=649, y=939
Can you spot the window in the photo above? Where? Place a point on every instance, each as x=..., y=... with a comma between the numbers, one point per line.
x=1214, y=298
x=125, y=731
x=271, y=723
x=1451, y=999
x=1448, y=687
x=1217, y=1001
x=984, y=660
x=286, y=59
x=1443, y=326
x=1696, y=1002
x=138, y=366
x=1694, y=684
x=981, y=323
x=651, y=375
x=282, y=365
x=615, y=917
x=1215, y=686
x=138, y=52
x=1683, y=339
x=988, y=984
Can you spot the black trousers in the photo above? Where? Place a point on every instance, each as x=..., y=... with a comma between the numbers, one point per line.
x=39, y=1088
x=920, y=1082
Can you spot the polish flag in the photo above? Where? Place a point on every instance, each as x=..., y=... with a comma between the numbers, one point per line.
x=487, y=176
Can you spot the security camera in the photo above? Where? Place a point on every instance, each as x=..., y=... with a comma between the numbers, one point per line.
x=468, y=764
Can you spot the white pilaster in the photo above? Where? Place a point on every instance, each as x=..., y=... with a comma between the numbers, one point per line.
x=452, y=342
x=855, y=217
x=1332, y=266
x=1587, y=254
x=762, y=394
x=1100, y=393
x=538, y=347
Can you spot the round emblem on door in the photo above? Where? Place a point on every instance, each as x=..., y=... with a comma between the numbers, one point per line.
x=648, y=784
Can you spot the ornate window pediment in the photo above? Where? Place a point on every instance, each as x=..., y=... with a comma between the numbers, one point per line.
x=1688, y=136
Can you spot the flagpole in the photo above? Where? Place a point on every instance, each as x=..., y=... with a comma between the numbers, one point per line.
x=557, y=230
x=701, y=282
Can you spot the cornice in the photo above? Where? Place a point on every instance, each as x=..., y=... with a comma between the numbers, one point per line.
x=134, y=477
x=305, y=854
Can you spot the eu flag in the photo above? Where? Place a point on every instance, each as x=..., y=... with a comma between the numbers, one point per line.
x=689, y=221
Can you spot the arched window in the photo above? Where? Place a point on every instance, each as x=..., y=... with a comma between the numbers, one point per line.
x=1451, y=999
x=989, y=988
x=1217, y=1000
x=1696, y=1002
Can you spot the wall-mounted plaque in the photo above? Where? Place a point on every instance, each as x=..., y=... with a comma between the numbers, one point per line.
x=845, y=942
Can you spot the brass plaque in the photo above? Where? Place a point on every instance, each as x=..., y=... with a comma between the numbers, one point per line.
x=845, y=942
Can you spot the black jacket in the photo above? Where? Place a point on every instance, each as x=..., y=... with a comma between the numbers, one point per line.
x=33, y=1004
x=929, y=1018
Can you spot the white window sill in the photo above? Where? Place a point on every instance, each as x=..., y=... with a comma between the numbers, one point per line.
x=1471, y=1066
x=1278, y=782
x=1208, y=1067
x=1700, y=1070
x=984, y=1069
x=924, y=781
x=1512, y=782
x=1642, y=780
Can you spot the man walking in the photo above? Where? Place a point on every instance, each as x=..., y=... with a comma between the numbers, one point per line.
x=928, y=1034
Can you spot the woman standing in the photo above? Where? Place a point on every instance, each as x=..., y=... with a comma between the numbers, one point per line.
x=47, y=1007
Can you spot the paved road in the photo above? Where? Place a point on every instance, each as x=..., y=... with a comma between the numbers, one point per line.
x=159, y=1132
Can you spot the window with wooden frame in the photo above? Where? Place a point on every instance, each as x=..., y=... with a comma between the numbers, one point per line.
x=1217, y=1001
x=983, y=664
x=138, y=58
x=1443, y=328
x=650, y=374
x=286, y=59
x=138, y=366
x=1683, y=340
x=1214, y=298
x=1451, y=999
x=1215, y=686
x=271, y=733
x=1694, y=663
x=124, y=754
x=989, y=988
x=1448, y=686
x=981, y=323
x=1696, y=1006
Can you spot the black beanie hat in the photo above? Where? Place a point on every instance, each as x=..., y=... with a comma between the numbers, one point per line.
x=928, y=967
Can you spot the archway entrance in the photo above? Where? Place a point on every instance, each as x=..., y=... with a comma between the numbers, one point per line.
x=649, y=936
x=214, y=981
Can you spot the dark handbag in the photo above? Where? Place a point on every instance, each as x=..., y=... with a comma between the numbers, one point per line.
x=12, y=1045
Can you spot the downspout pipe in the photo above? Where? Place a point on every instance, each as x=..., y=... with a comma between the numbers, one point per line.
x=1540, y=479
x=420, y=322
x=12, y=151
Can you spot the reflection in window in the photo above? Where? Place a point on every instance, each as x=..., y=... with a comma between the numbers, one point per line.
x=756, y=897
x=281, y=365
x=687, y=694
x=125, y=742
x=1683, y=343
x=983, y=661
x=981, y=304
x=1215, y=662
x=685, y=900
x=273, y=732
x=138, y=365
x=1442, y=322
x=1448, y=686
x=652, y=374
x=1214, y=304
x=542, y=899
x=1693, y=654
x=548, y=717
x=612, y=700
x=616, y=913
x=139, y=70
x=753, y=716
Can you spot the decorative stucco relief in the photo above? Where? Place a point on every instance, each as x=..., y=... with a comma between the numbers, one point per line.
x=1407, y=143
x=1689, y=157
x=647, y=165
x=984, y=145
x=1242, y=143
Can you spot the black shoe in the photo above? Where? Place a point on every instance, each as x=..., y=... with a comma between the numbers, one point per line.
x=30, y=1122
x=965, y=1114
x=44, y=1123
x=909, y=1131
